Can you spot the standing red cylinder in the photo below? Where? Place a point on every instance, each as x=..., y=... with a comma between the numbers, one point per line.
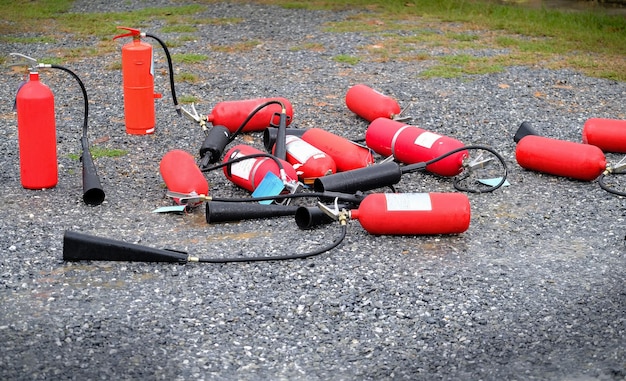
x=413, y=213
x=138, y=81
x=36, y=135
x=309, y=161
x=232, y=114
x=411, y=144
x=561, y=158
x=370, y=104
x=607, y=134
x=249, y=173
x=347, y=154
x=182, y=175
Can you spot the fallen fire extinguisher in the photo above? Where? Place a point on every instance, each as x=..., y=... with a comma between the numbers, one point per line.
x=370, y=104
x=138, y=82
x=404, y=214
x=607, y=134
x=578, y=161
x=37, y=135
x=246, y=115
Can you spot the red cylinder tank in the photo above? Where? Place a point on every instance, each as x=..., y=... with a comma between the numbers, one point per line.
x=36, y=135
x=346, y=154
x=308, y=161
x=138, y=81
x=607, y=134
x=182, y=175
x=561, y=158
x=411, y=144
x=370, y=104
x=413, y=213
x=249, y=173
x=231, y=114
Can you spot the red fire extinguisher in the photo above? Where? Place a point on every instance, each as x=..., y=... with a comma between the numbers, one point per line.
x=138, y=80
x=182, y=175
x=347, y=154
x=249, y=173
x=607, y=134
x=36, y=134
x=411, y=144
x=308, y=161
x=558, y=157
x=370, y=104
x=411, y=213
x=232, y=114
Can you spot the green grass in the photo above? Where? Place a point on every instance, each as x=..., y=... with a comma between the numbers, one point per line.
x=592, y=42
x=98, y=152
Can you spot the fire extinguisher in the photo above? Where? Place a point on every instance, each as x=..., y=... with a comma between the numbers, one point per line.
x=232, y=114
x=607, y=134
x=182, y=175
x=34, y=104
x=407, y=213
x=346, y=154
x=578, y=161
x=36, y=134
x=138, y=81
x=248, y=173
x=411, y=144
x=370, y=104
x=308, y=161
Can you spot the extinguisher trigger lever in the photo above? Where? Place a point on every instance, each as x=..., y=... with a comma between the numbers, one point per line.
x=187, y=198
x=400, y=117
x=478, y=162
x=194, y=116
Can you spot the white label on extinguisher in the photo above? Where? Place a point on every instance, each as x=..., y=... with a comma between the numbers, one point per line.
x=426, y=139
x=300, y=150
x=242, y=169
x=408, y=202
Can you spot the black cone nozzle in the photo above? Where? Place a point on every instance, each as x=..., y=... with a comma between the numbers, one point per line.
x=83, y=247
x=271, y=133
x=524, y=129
x=219, y=211
x=308, y=217
x=92, y=189
x=362, y=179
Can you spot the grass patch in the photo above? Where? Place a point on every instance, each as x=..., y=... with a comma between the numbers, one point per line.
x=98, y=152
x=243, y=46
x=348, y=59
x=186, y=77
x=189, y=58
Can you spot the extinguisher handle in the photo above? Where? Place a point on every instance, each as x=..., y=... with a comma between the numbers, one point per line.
x=132, y=32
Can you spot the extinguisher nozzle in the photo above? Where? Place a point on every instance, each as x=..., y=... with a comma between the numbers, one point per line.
x=93, y=194
x=524, y=129
x=81, y=247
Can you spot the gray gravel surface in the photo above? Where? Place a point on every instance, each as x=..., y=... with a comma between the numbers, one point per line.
x=534, y=290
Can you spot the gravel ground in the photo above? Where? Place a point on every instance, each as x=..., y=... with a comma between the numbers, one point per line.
x=534, y=290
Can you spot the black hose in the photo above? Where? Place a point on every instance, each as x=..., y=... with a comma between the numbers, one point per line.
x=171, y=71
x=82, y=88
x=252, y=114
x=322, y=250
x=604, y=186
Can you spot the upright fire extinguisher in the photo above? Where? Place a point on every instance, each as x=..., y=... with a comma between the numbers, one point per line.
x=411, y=144
x=36, y=134
x=405, y=213
x=138, y=82
x=34, y=104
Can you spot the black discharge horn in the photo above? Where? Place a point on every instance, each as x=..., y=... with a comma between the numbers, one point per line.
x=93, y=194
